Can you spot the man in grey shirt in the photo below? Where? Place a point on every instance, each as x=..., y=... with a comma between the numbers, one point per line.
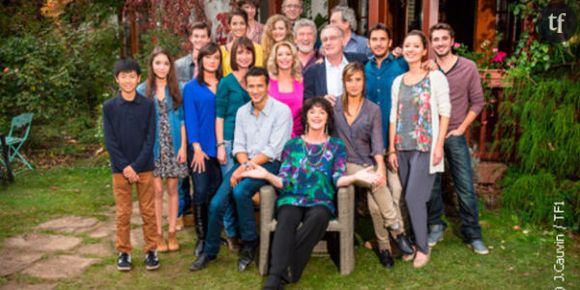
x=186, y=66
x=466, y=96
x=263, y=127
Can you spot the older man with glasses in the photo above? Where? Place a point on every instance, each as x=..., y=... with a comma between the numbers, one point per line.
x=324, y=79
x=292, y=9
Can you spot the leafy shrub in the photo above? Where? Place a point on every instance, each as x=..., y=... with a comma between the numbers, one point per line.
x=61, y=75
x=540, y=122
x=532, y=197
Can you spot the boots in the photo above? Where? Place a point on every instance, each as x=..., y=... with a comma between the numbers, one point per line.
x=172, y=243
x=161, y=245
x=201, y=220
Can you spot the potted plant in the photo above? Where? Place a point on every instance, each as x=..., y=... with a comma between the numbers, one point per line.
x=491, y=62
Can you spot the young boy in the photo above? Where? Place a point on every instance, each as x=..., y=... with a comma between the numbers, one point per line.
x=129, y=125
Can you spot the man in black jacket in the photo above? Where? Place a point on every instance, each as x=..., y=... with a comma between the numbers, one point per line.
x=325, y=79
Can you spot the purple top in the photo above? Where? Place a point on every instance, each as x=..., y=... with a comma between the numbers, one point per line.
x=293, y=100
x=364, y=137
x=465, y=92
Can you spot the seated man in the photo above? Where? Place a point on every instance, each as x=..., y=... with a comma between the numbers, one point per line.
x=262, y=128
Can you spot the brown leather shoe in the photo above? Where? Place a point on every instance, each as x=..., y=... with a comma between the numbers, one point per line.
x=173, y=245
x=233, y=244
x=420, y=260
x=161, y=245
x=179, y=224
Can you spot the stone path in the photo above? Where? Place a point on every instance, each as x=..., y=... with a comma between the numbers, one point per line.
x=61, y=249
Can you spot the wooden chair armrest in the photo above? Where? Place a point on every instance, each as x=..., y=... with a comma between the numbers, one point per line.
x=345, y=203
x=267, y=203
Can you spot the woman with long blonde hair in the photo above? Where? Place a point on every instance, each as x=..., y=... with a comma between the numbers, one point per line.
x=278, y=28
x=286, y=82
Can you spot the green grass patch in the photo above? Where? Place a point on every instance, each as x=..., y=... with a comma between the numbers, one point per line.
x=38, y=196
x=518, y=259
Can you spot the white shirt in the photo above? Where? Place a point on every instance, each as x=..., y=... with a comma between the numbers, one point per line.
x=266, y=133
x=334, y=77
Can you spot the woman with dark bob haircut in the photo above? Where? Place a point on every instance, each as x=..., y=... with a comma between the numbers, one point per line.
x=313, y=167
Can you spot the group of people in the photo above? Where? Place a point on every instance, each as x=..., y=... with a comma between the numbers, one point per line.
x=267, y=107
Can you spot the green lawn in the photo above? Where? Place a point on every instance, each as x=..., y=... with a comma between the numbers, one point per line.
x=518, y=259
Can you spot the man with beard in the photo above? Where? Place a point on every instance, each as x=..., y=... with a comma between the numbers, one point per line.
x=381, y=70
x=305, y=39
x=467, y=101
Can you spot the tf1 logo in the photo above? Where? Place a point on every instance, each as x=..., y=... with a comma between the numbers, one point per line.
x=557, y=23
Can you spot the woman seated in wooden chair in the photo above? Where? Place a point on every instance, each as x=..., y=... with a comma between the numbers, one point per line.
x=313, y=167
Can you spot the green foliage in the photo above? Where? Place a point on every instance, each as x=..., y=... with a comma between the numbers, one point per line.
x=532, y=196
x=158, y=37
x=541, y=123
x=61, y=73
x=533, y=56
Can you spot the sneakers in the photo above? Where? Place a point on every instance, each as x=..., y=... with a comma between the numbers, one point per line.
x=435, y=234
x=124, y=262
x=478, y=247
x=151, y=260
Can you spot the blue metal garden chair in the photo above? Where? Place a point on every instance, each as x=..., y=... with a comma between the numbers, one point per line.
x=20, y=127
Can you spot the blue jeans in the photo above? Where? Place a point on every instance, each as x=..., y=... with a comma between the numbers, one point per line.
x=242, y=193
x=207, y=182
x=459, y=160
x=230, y=223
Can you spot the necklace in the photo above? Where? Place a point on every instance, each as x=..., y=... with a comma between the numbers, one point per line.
x=314, y=155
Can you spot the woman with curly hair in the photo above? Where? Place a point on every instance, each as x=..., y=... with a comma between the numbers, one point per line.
x=286, y=82
x=278, y=28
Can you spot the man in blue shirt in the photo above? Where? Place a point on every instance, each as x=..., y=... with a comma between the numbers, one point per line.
x=262, y=128
x=380, y=71
x=345, y=18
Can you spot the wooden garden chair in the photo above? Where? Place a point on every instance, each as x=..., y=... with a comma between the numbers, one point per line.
x=343, y=224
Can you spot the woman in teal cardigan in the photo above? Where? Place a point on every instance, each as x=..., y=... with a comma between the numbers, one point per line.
x=230, y=96
x=169, y=149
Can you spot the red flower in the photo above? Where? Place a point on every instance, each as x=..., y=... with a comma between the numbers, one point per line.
x=499, y=56
x=424, y=139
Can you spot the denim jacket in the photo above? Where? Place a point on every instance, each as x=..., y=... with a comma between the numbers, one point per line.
x=175, y=120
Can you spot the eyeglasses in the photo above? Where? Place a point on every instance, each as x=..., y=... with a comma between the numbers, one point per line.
x=293, y=6
x=329, y=38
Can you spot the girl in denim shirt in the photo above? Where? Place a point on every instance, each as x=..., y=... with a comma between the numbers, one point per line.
x=169, y=149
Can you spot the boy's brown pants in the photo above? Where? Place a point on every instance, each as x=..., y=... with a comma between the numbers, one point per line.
x=124, y=205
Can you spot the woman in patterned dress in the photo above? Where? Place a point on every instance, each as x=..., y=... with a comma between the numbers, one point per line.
x=313, y=167
x=169, y=149
x=419, y=118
